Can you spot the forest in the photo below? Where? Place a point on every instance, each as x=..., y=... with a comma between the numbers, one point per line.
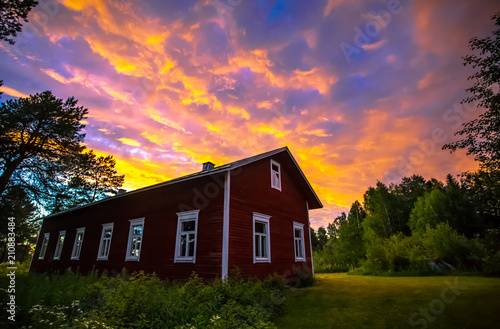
x=416, y=227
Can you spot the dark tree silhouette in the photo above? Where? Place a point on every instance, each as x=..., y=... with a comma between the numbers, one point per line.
x=12, y=14
x=482, y=135
x=42, y=152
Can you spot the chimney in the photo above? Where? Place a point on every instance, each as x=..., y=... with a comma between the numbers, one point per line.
x=121, y=191
x=207, y=166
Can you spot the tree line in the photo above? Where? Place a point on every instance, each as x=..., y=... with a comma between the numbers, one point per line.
x=405, y=227
x=409, y=226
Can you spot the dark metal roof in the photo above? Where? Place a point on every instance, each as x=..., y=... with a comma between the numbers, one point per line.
x=314, y=201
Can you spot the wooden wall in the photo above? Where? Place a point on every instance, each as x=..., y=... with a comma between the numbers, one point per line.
x=159, y=207
x=251, y=192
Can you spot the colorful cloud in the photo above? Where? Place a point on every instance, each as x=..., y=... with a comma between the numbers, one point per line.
x=359, y=91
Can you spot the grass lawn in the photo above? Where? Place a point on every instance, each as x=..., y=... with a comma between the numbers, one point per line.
x=350, y=301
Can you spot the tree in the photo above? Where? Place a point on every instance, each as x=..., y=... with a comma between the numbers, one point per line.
x=314, y=240
x=12, y=13
x=482, y=135
x=333, y=227
x=322, y=237
x=380, y=210
x=430, y=209
x=351, y=245
x=406, y=194
x=482, y=188
x=42, y=152
x=357, y=214
x=464, y=215
x=89, y=178
x=17, y=206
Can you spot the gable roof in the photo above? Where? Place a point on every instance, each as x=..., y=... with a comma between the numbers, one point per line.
x=312, y=198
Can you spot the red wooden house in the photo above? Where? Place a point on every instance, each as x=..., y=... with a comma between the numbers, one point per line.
x=251, y=214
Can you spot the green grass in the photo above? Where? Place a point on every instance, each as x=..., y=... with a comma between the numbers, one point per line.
x=349, y=301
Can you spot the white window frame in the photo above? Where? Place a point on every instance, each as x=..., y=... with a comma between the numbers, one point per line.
x=77, y=245
x=182, y=217
x=102, y=244
x=273, y=173
x=261, y=218
x=133, y=223
x=43, y=248
x=59, y=245
x=299, y=226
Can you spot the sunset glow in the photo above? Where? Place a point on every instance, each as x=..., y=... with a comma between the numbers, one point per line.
x=359, y=91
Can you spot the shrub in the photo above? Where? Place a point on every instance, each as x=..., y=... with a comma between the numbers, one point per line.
x=145, y=301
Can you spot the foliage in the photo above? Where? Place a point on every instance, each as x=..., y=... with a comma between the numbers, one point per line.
x=429, y=210
x=12, y=13
x=413, y=255
x=345, y=247
x=482, y=135
x=42, y=152
x=379, y=221
x=322, y=237
x=482, y=188
x=17, y=206
x=145, y=301
x=445, y=223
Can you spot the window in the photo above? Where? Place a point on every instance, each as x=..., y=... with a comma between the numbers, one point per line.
x=45, y=243
x=261, y=241
x=298, y=242
x=135, y=239
x=275, y=175
x=59, y=245
x=187, y=226
x=105, y=245
x=77, y=246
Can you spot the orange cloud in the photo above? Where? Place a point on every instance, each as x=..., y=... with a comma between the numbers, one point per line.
x=12, y=92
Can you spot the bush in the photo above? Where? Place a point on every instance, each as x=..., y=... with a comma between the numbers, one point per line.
x=145, y=301
x=412, y=255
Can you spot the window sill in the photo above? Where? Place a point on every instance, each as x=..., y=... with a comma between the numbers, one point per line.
x=186, y=260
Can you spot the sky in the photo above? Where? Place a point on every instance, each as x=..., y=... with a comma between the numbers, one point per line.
x=359, y=91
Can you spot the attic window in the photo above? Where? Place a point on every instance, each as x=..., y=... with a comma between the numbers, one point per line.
x=275, y=175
